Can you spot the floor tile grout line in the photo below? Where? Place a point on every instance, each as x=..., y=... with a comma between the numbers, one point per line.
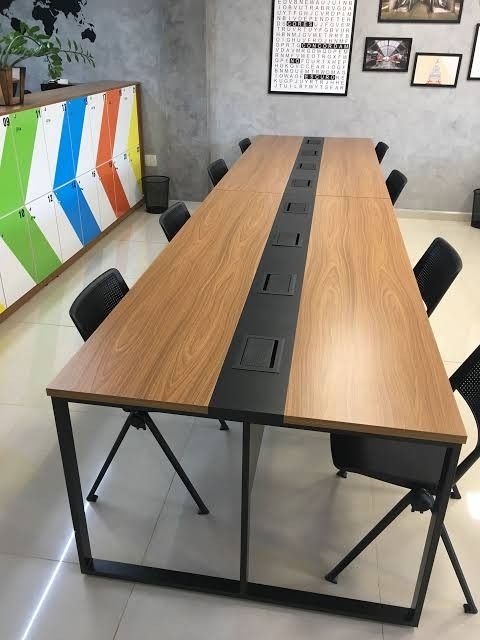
x=123, y=611
x=167, y=493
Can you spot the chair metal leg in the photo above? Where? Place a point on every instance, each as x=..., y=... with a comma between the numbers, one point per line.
x=455, y=495
x=369, y=538
x=470, y=606
x=224, y=426
x=202, y=509
x=92, y=497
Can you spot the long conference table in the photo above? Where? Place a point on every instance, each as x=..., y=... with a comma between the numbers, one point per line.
x=287, y=300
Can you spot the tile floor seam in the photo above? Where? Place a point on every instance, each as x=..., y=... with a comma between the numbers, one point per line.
x=123, y=611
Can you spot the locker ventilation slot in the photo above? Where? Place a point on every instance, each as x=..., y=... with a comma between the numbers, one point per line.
x=301, y=183
x=287, y=239
x=307, y=166
x=295, y=207
x=278, y=284
x=260, y=353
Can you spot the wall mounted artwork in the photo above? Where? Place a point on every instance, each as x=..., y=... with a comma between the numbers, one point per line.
x=387, y=54
x=311, y=46
x=420, y=11
x=474, y=70
x=436, y=69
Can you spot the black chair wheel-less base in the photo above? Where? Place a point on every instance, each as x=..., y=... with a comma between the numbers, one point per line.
x=88, y=312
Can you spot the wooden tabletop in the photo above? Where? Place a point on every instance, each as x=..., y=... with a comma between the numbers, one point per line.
x=44, y=98
x=364, y=356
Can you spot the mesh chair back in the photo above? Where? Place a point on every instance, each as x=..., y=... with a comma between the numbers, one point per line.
x=244, y=144
x=396, y=182
x=96, y=302
x=173, y=220
x=381, y=149
x=466, y=380
x=217, y=170
x=435, y=272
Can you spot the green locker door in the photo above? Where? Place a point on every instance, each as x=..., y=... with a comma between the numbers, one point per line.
x=24, y=126
x=16, y=255
x=11, y=197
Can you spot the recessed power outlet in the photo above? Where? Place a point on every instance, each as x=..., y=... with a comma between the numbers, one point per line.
x=150, y=160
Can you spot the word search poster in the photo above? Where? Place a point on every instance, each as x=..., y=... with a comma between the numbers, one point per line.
x=311, y=46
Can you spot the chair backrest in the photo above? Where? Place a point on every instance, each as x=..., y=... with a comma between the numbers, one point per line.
x=244, y=144
x=217, y=170
x=381, y=149
x=435, y=272
x=396, y=182
x=96, y=302
x=173, y=220
x=466, y=380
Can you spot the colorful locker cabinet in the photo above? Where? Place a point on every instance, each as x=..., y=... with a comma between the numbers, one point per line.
x=67, y=172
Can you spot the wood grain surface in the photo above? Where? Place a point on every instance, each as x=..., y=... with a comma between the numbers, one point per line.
x=350, y=168
x=44, y=98
x=365, y=358
x=165, y=343
x=265, y=167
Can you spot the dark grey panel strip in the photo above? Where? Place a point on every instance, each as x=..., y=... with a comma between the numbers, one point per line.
x=252, y=385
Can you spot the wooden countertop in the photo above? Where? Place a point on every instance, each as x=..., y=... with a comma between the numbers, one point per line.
x=364, y=359
x=44, y=98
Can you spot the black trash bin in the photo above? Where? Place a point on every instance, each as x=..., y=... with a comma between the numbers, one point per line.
x=155, y=189
x=476, y=209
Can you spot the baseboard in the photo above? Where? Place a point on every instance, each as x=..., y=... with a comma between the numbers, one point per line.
x=452, y=216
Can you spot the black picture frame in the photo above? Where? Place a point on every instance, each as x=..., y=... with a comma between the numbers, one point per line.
x=309, y=93
x=370, y=39
x=411, y=21
x=420, y=54
x=476, y=43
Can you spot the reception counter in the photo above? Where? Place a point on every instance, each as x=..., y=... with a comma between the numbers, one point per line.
x=70, y=170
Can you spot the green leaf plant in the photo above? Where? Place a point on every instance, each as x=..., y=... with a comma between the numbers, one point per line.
x=25, y=41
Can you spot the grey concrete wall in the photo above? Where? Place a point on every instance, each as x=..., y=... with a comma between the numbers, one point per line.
x=160, y=43
x=434, y=134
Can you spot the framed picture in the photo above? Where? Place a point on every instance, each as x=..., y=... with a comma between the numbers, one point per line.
x=311, y=46
x=436, y=70
x=387, y=54
x=420, y=11
x=474, y=70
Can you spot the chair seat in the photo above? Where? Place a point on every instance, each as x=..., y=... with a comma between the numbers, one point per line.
x=405, y=464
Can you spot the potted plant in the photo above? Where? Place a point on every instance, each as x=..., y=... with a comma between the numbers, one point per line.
x=24, y=42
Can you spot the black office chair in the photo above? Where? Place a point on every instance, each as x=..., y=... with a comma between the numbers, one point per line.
x=415, y=466
x=244, y=144
x=88, y=312
x=396, y=182
x=173, y=219
x=171, y=222
x=381, y=149
x=435, y=272
x=217, y=170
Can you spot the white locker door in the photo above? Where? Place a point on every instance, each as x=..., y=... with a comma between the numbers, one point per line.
x=41, y=179
x=95, y=110
x=3, y=302
x=107, y=212
x=52, y=118
x=16, y=280
x=44, y=213
x=88, y=186
x=86, y=156
x=70, y=242
x=124, y=121
x=124, y=170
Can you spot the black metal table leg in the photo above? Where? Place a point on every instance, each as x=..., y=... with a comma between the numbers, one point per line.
x=245, y=509
x=434, y=531
x=72, y=480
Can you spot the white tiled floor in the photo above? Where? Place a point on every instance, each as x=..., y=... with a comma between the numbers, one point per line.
x=304, y=517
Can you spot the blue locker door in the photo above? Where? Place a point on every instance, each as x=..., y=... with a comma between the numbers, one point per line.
x=65, y=167
x=68, y=198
